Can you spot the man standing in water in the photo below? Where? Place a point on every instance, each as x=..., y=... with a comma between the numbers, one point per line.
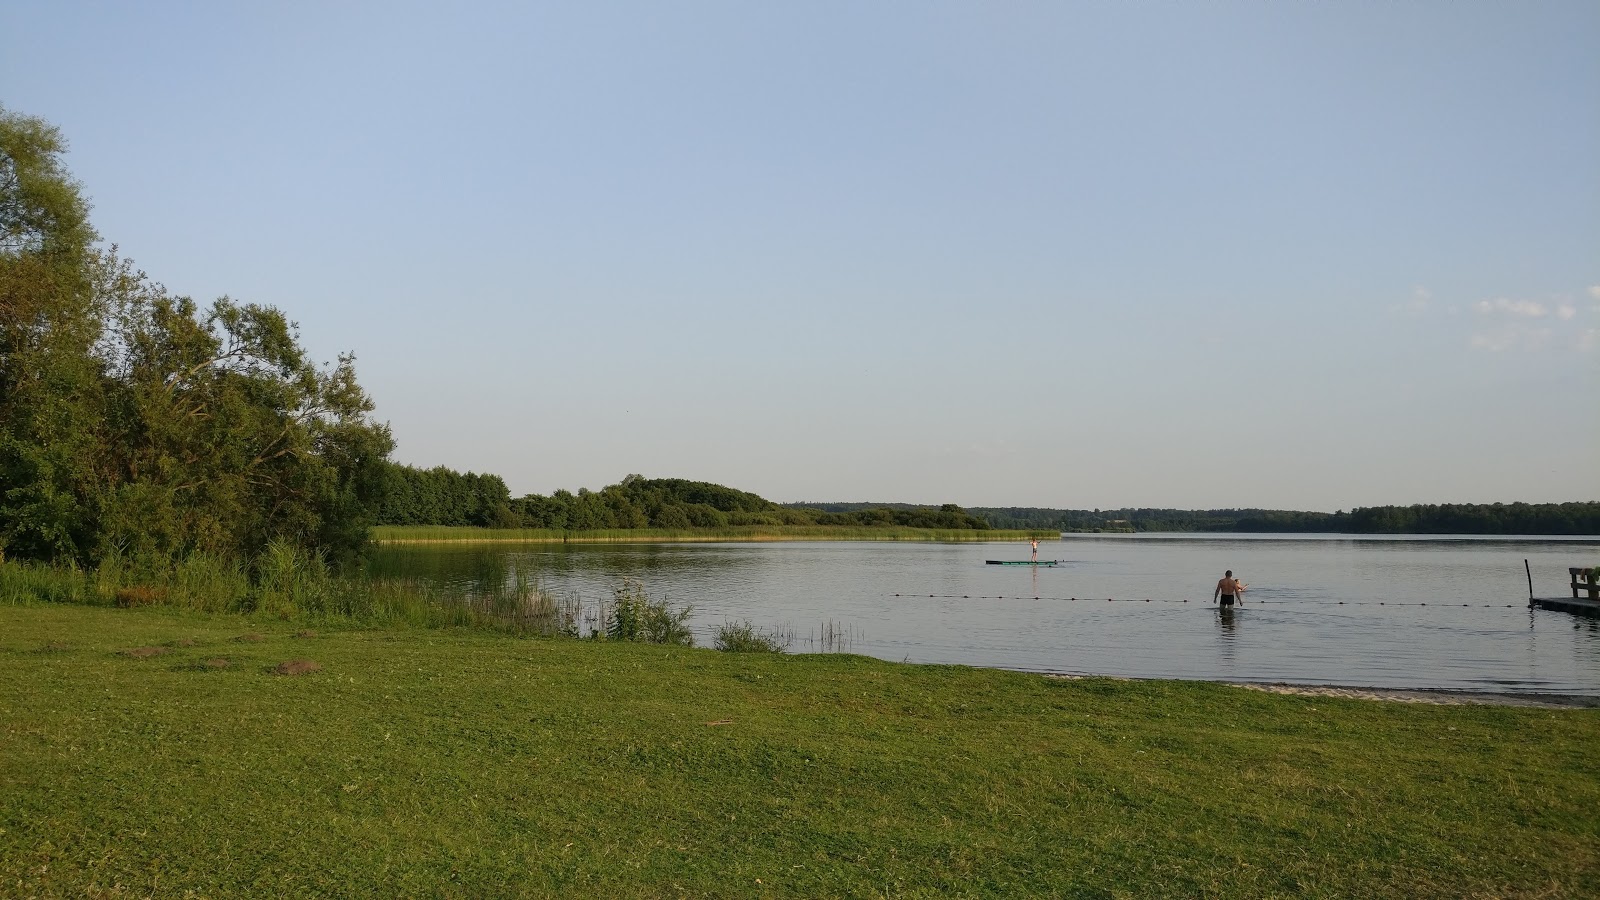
x=1035, y=542
x=1228, y=589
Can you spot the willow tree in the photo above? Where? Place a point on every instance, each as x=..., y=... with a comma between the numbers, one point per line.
x=224, y=434
x=136, y=420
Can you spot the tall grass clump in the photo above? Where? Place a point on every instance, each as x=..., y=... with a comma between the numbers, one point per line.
x=209, y=583
x=26, y=583
x=633, y=616
x=290, y=580
x=522, y=607
x=743, y=637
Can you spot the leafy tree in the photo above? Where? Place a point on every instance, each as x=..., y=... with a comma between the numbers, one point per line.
x=48, y=324
x=132, y=419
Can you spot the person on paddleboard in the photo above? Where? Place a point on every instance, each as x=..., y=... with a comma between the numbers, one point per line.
x=1229, y=590
x=1035, y=543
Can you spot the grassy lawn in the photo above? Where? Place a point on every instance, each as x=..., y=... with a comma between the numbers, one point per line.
x=468, y=764
x=455, y=534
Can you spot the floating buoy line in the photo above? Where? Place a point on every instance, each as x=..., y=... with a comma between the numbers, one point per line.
x=1202, y=602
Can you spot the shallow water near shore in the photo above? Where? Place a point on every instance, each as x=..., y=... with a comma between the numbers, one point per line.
x=1403, y=612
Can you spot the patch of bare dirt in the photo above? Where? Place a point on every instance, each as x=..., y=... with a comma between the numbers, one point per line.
x=217, y=663
x=55, y=647
x=145, y=652
x=296, y=667
x=305, y=634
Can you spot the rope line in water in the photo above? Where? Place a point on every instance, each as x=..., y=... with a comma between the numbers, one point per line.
x=1203, y=602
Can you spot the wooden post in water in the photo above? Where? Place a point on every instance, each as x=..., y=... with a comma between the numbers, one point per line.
x=1530, y=580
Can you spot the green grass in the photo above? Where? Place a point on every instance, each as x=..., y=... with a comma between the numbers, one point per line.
x=399, y=534
x=466, y=763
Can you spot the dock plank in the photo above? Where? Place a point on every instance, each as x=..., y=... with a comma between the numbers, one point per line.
x=1581, y=606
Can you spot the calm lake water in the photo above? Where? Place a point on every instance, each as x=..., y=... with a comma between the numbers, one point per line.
x=1435, y=612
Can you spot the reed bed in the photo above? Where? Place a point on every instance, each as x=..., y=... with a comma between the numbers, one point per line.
x=450, y=534
x=290, y=586
x=285, y=584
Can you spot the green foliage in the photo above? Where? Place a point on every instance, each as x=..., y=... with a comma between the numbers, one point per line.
x=678, y=504
x=441, y=496
x=138, y=424
x=743, y=637
x=633, y=616
x=49, y=324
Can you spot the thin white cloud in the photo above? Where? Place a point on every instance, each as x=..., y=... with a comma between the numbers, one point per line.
x=1510, y=325
x=1531, y=309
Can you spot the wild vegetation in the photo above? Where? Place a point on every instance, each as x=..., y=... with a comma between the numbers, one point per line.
x=745, y=637
x=459, y=762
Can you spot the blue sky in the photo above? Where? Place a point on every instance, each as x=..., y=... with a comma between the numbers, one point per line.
x=1303, y=256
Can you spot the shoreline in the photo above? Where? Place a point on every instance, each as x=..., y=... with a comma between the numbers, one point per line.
x=1435, y=696
x=1432, y=696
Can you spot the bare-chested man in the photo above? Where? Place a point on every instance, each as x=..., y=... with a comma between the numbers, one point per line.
x=1229, y=589
x=1035, y=542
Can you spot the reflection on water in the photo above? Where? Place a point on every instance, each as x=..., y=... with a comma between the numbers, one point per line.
x=1226, y=626
x=1409, y=612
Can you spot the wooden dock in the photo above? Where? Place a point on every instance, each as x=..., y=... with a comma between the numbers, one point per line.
x=1581, y=606
x=1585, y=581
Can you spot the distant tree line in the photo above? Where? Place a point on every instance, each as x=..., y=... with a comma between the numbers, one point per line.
x=1446, y=518
x=440, y=496
x=1478, y=518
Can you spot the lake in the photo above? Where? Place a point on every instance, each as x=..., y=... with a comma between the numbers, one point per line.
x=1404, y=612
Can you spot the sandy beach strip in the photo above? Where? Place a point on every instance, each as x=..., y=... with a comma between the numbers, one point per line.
x=1399, y=695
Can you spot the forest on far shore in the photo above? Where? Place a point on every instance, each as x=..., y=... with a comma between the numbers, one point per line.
x=442, y=496
x=1431, y=518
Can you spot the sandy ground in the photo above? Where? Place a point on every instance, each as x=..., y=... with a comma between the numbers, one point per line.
x=1398, y=695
